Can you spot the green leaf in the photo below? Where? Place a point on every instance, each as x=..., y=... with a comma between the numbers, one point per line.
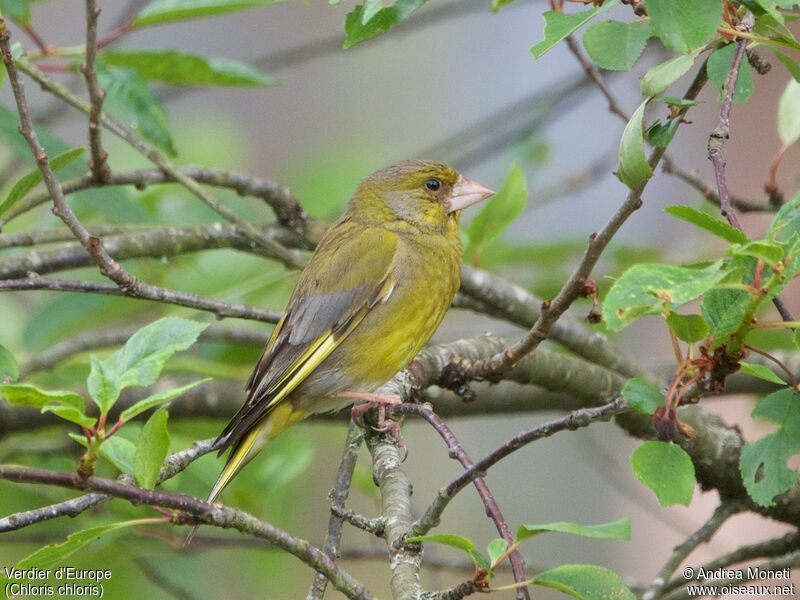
x=615, y=45
x=54, y=555
x=171, y=66
x=797, y=337
x=659, y=77
x=67, y=405
x=9, y=369
x=615, y=530
x=117, y=450
x=496, y=548
x=724, y=311
x=357, y=31
x=156, y=399
x=103, y=383
x=684, y=25
x=18, y=10
x=718, y=65
x=498, y=4
x=789, y=63
x=667, y=470
x=558, y=25
x=646, y=288
x=455, y=541
x=789, y=113
x=499, y=212
x=633, y=166
x=140, y=360
x=586, y=582
x=710, y=223
x=151, y=450
x=164, y=11
x=689, y=328
x=129, y=99
x=31, y=179
x=770, y=252
x=763, y=462
x=643, y=395
x=787, y=220
x=660, y=133
x=760, y=371
x=676, y=102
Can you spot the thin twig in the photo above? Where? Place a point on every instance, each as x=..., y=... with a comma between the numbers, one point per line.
x=575, y=420
x=338, y=497
x=457, y=451
x=98, y=163
x=203, y=512
x=145, y=292
x=702, y=535
x=670, y=168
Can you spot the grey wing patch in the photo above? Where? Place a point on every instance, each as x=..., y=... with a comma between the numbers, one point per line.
x=320, y=313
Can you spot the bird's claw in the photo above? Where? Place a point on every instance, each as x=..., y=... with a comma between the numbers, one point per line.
x=384, y=425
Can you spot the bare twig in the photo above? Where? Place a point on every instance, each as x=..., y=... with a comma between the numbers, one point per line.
x=338, y=496
x=721, y=514
x=145, y=292
x=575, y=420
x=709, y=194
x=98, y=163
x=204, y=512
x=457, y=451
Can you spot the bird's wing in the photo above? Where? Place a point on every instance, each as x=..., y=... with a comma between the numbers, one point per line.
x=350, y=273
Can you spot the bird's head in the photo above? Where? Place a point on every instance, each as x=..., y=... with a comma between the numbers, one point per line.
x=423, y=193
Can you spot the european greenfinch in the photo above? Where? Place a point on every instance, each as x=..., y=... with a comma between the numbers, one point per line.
x=372, y=295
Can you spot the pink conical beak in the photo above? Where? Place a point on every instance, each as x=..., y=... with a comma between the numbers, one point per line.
x=466, y=193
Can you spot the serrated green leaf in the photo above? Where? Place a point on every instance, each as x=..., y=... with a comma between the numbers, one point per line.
x=104, y=383
x=615, y=45
x=659, y=77
x=660, y=133
x=724, y=311
x=496, y=548
x=117, y=450
x=140, y=360
x=31, y=179
x=25, y=394
x=171, y=66
x=684, y=25
x=9, y=369
x=151, y=450
x=666, y=469
x=646, y=288
x=770, y=252
x=130, y=100
x=615, y=530
x=357, y=31
x=157, y=399
x=499, y=212
x=689, y=328
x=760, y=371
x=558, y=25
x=717, y=67
x=633, y=166
x=164, y=11
x=54, y=555
x=763, y=462
x=70, y=413
x=787, y=220
x=586, y=582
x=789, y=113
x=708, y=222
x=643, y=395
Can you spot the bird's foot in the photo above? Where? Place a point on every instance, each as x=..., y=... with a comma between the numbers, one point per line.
x=372, y=400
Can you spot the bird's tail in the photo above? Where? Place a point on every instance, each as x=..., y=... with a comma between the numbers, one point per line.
x=277, y=420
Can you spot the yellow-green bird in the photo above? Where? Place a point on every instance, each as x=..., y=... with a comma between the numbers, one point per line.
x=372, y=295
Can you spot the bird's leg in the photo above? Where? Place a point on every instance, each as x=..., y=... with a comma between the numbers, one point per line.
x=380, y=401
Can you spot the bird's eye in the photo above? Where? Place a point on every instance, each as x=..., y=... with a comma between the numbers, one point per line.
x=433, y=184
